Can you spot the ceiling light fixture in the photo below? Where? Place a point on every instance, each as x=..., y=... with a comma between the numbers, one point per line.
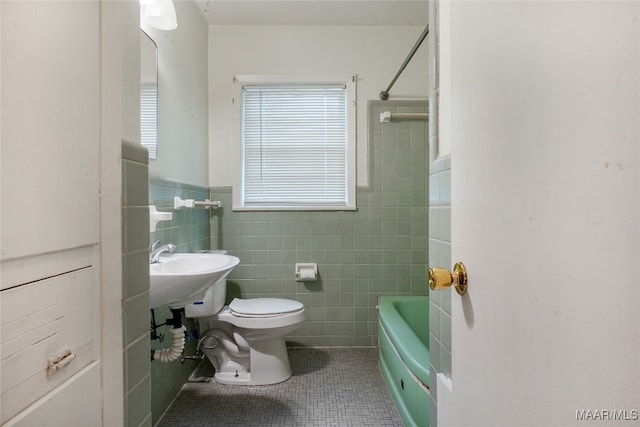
x=158, y=14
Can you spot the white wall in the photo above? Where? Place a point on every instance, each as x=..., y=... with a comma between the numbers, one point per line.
x=182, y=95
x=120, y=105
x=545, y=129
x=373, y=53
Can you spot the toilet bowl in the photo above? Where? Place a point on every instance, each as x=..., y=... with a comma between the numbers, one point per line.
x=244, y=341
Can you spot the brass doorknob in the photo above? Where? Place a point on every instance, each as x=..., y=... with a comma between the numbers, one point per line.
x=441, y=278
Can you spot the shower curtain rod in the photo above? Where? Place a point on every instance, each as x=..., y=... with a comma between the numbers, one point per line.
x=384, y=95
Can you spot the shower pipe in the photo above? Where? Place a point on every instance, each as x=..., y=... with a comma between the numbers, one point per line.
x=384, y=95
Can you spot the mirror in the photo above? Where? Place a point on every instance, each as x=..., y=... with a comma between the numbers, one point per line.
x=148, y=94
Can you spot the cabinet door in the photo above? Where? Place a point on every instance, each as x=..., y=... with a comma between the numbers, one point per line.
x=48, y=336
x=50, y=126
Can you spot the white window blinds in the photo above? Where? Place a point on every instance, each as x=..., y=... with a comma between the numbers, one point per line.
x=149, y=118
x=295, y=146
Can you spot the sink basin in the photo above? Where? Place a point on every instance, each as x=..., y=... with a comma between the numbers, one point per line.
x=181, y=279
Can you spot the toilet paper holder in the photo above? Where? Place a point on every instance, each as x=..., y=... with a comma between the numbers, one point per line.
x=306, y=271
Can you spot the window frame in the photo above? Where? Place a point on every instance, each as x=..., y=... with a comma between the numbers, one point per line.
x=349, y=81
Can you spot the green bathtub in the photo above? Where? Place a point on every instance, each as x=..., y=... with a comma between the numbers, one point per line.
x=403, y=324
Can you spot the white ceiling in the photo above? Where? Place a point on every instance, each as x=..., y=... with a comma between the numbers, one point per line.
x=314, y=12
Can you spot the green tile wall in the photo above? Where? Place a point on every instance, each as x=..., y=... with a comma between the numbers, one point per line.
x=189, y=228
x=380, y=249
x=135, y=285
x=440, y=256
x=189, y=231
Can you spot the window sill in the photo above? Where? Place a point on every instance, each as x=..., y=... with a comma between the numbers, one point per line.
x=292, y=208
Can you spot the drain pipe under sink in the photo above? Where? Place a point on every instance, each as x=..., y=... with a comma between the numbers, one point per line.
x=177, y=338
x=177, y=346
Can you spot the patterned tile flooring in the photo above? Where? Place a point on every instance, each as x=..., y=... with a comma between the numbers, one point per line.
x=329, y=387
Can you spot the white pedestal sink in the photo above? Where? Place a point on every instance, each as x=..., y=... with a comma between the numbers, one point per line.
x=180, y=279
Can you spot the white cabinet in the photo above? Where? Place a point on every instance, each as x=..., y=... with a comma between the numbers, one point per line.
x=50, y=212
x=39, y=322
x=50, y=126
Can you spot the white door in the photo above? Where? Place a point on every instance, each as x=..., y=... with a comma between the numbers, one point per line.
x=544, y=132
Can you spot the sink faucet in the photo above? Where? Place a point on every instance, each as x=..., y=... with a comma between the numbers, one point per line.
x=154, y=253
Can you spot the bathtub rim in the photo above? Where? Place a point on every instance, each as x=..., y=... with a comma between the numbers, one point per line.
x=408, y=345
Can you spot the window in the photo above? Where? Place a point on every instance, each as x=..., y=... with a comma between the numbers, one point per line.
x=297, y=143
x=149, y=118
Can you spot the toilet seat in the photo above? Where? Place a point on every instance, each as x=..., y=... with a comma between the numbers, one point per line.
x=264, y=307
x=260, y=323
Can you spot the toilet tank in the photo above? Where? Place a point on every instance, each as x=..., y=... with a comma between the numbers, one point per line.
x=213, y=300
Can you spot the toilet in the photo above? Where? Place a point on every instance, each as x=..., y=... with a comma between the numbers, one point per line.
x=244, y=341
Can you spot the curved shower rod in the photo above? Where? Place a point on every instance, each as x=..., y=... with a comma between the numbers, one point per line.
x=384, y=95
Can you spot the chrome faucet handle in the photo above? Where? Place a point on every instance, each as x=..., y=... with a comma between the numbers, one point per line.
x=154, y=245
x=154, y=255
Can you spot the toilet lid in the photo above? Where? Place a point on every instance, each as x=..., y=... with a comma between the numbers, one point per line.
x=260, y=307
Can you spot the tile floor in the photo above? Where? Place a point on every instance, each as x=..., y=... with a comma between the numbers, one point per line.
x=329, y=387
